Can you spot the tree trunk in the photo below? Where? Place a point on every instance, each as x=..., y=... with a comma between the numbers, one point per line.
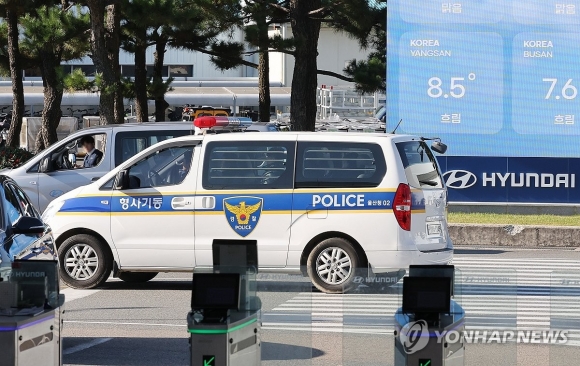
x=113, y=25
x=16, y=75
x=101, y=61
x=158, y=60
x=51, y=111
x=264, y=74
x=304, y=80
x=140, y=83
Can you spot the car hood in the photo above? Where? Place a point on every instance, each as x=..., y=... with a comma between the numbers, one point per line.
x=72, y=194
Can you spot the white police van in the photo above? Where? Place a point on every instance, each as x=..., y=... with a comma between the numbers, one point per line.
x=327, y=202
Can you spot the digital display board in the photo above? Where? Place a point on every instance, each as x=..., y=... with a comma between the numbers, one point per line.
x=490, y=77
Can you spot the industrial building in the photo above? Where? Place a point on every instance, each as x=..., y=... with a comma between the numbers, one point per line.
x=197, y=81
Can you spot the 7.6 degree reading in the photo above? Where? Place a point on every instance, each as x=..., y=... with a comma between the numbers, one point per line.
x=568, y=91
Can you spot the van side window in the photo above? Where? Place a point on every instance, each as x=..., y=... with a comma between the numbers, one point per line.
x=420, y=165
x=129, y=144
x=164, y=167
x=74, y=154
x=339, y=164
x=248, y=165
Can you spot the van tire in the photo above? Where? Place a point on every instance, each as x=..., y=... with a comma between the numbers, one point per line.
x=88, y=251
x=137, y=277
x=336, y=250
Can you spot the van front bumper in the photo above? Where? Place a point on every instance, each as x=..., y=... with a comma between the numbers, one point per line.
x=389, y=260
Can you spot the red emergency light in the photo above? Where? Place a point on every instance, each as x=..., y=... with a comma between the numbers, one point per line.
x=211, y=121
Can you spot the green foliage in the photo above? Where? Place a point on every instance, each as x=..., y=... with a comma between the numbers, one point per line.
x=13, y=157
x=127, y=88
x=158, y=88
x=26, y=60
x=61, y=33
x=78, y=81
x=227, y=55
x=370, y=75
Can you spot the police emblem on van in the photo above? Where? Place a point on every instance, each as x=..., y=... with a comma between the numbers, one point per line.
x=243, y=213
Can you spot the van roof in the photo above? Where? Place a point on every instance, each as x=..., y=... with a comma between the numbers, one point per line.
x=363, y=136
x=346, y=135
x=292, y=135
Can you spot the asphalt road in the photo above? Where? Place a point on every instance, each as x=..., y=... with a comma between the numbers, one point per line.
x=122, y=324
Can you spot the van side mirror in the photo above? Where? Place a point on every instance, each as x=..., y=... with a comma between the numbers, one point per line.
x=28, y=225
x=122, y=180
x=439, y=147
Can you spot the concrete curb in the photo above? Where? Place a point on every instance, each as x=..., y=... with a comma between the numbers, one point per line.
x=515, y=235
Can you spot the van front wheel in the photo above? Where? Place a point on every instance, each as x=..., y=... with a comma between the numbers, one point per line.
x=84, y=261
x=332, y=265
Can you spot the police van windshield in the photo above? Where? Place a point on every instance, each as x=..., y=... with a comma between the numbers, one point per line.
x=420, y=165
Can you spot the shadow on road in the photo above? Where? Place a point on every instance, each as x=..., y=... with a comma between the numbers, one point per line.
x=162, y=351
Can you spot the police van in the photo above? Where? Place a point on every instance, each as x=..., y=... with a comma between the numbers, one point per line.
x=322, y=203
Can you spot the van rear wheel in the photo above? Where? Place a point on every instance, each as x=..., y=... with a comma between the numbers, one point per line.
x=332, y=265
x=137, y=277
x=85, y=262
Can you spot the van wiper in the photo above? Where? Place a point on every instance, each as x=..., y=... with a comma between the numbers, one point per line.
x=429, y=183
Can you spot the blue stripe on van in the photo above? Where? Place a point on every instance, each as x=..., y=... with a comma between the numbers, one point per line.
x=332, y=201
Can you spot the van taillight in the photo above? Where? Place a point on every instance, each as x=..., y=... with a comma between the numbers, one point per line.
x=402, y=206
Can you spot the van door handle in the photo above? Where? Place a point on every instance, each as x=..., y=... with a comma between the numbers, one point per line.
x=94, y=179
x=208, y=202
x=182, y=203
x=204, y=202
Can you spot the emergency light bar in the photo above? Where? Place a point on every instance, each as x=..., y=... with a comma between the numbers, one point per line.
x=209, y=122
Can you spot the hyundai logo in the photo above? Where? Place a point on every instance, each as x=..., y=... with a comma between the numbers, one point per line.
x=459, y=179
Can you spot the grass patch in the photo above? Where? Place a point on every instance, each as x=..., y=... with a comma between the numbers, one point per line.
x=507, y=219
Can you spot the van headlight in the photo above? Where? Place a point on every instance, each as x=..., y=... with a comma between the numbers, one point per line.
x=51, y=210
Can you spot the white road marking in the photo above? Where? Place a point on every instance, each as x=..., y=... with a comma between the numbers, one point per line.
x=84, y=346
x=126, y=323
x=520, y=294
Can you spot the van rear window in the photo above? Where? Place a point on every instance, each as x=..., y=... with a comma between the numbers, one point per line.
x=420, y=165
x=248, y=165
x=339, y=164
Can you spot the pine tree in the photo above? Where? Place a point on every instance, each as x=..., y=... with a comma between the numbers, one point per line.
x=53, y=34
x=185, y=24
x=12, y=10
x=370, y=75
x=140, y=18
x=105, y=41
x=356, y=18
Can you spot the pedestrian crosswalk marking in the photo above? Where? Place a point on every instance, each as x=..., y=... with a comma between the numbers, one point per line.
x=536, y=294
